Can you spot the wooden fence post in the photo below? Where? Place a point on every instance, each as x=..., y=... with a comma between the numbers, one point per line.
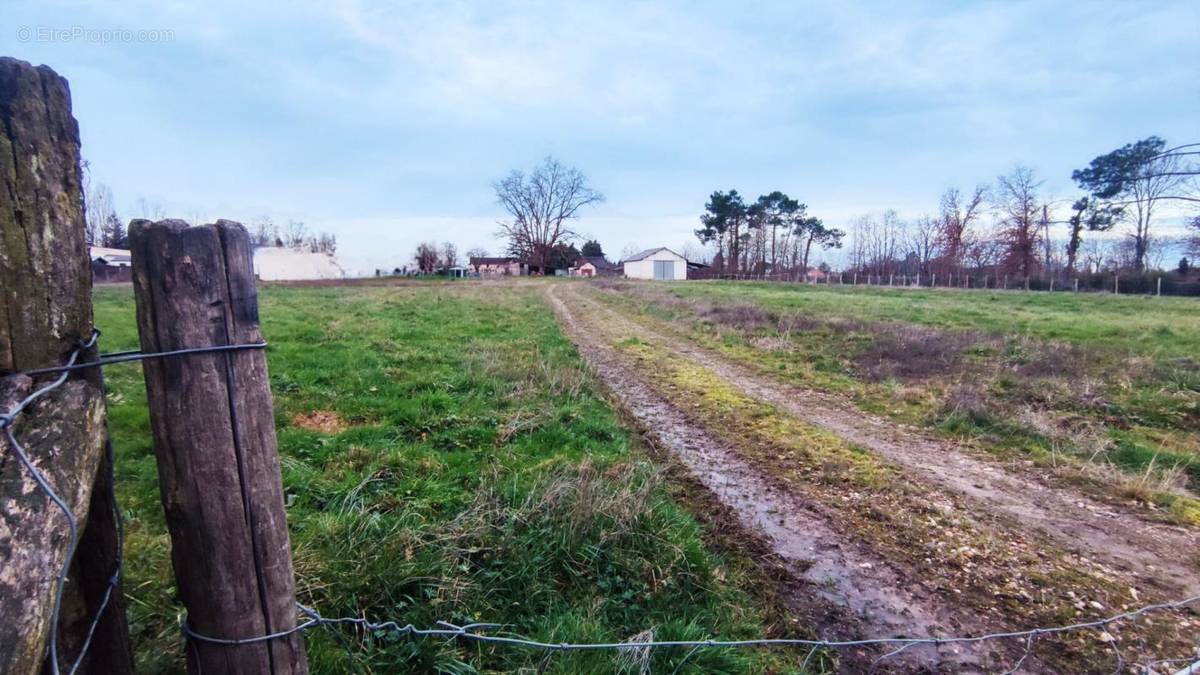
x=45, y=312
x=214, y=437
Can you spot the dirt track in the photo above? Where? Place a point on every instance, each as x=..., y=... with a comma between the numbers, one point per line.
x=880, y=594
x=1150, y=551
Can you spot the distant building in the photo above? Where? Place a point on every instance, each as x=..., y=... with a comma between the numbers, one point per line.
x=661, y=264
x=496, y=267
x=594, y=266
x=110, y=265
x=273, y=263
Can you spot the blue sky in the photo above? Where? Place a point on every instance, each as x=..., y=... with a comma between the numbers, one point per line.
x=386, y=123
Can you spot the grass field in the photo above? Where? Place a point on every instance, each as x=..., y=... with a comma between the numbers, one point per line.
x=1109, y=386
x=446, y=456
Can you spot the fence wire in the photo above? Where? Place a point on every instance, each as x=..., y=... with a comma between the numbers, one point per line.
x=6, y=425
x=476, y=631
x=471, y=632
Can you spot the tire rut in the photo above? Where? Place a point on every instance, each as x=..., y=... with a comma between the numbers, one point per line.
x=843, y=574
x=1154, y=554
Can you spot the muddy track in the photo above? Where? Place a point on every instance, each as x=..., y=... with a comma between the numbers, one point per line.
x=1158, y=556
x=845, y=575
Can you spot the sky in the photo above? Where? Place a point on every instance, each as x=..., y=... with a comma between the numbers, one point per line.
x=387, y=123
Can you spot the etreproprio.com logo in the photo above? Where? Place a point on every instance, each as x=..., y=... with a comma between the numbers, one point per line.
x=93, y=35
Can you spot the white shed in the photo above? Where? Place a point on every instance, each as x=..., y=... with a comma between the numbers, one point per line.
x=661, y=264
x=272, y=263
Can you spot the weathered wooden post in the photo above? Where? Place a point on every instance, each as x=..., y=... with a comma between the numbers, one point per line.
x=45, y=313
x=1158, y=292
x=214, y=437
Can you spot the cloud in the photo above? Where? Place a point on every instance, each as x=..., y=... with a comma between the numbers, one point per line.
x=398, y=116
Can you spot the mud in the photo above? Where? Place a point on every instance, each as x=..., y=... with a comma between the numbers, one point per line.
x=1157, y=556
x=882, y=601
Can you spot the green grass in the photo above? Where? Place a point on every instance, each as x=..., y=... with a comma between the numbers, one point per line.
x=1109, y=381
x=476, y=476
x=1167, y=326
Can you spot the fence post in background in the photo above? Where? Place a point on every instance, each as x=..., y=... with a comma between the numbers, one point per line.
x=45, y=313
x=1076, y=284
x=1158, y=292
x=1006, y=281
x=1116, y=283
x=214, y=438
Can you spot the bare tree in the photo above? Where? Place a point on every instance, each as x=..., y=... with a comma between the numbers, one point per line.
x=449, y=255
x=925, y=239
x=99, y=215
x=541, y=206
x=295, y=234
x=427, y=257
x=150, y=210
x=1019, y=207
x=477, y=252
x=955, y=221
x=263, y=232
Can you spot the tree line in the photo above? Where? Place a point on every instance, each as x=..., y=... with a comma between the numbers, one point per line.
x=293, y=235
x=105, y=228
x=1001, y=228
x=773, y=234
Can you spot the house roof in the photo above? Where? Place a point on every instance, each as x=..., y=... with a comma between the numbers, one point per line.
x=491, y=261
x=114, y=259
x=597, y=261
x=105, y=252
x=649, y=252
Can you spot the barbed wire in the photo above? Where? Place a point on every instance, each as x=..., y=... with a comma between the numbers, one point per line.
x=446, y=629
x=6, y=423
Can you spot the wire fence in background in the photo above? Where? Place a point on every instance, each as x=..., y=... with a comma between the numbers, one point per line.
x=1121, y=284
x=476, y=631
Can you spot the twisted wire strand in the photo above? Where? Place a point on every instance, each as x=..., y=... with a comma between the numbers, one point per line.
x=467, y=631
x=6, y=425
x=445, y=629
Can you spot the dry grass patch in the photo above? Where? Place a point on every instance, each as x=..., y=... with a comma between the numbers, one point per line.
x=1005, y=574
x=322, y=421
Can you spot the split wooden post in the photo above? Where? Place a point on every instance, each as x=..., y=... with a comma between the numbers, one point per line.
x=214, y=437
x=45, y=313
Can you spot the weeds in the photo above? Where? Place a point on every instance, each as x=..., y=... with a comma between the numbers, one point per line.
x=445, y=456
x=1086, y=383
